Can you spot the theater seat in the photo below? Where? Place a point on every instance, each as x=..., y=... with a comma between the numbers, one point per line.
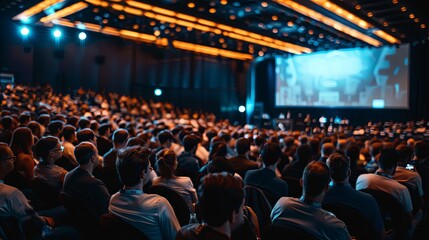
x=113, y=228
x=357, y=224
x=279, y=232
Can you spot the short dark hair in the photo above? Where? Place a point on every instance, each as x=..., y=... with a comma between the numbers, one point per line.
x=339, y=166
x=352, y=151
x=84, y=151
x=44, y=146
x=68, y=131
x=84, y=122
x=55, y=127
x=165, y=163
x=220, y=195
x=270, y=154
x=315, y=178
x=7, y=122
x=242, y=145
x=303, y=153
x=190, y=141
x=388, y=159
x=421, y=150
x=164, y=136
x=85, y=134
x=220, y=164
x=135, y=141
x=130, y=163
x=120, y=136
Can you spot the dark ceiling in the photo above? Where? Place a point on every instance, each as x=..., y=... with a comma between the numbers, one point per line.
x=406, y=21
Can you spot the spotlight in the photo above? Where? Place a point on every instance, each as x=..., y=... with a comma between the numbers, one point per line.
x=158, y=92
x=241, y=108
x=82, y=36
x=57, y=33
x=25, y=31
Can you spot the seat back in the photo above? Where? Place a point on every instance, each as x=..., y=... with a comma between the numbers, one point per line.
x=357, y=224
x=294, y=188
x=280, y=231
x=176, y=201
x=416, y=200
x=256, y=199
x=112, y=227
x=83, y=218
x=47, y=196
x=392, y=213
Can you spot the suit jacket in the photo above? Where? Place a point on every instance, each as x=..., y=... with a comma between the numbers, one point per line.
x=267, y=180
x=242, y=164
x=86, y=189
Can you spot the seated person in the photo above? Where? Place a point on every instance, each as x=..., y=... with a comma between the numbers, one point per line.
x=49, y=149
x=15, y=205
x=341, y=192
x=265, y=178
x=221, y=198
x=150, y=213
x=306, y=213
x=166, y=167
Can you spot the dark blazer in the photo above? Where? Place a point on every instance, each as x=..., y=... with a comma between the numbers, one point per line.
x=267, y=180
x=86, y=189
x=242, y=164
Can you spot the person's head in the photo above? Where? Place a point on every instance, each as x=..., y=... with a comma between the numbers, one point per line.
x=259, y=141
x=421, y=150
x=405, y=152
x=315, y=179
x=120, y=137
x=6, y=160
x=388, y=159
x=84, y=123
x=24, y=118
x=85, y=153
x=135, y=141
x=270, y=154
x=35, y=128
x=218, y=149
x=55, y=127
x=375, y=148
x=303, y=153
x=104, y=129
x=352, y=151
x=190, y=142
x=48, y=149
x=85, y=135
x=220, y=164
x=166, y=163
x=165, y=137
x=7, y=122
x=22, y=141
x=327, y=149
x=339, y=167
x=220, y=197
x=242, y=146
x=69, y=133
x=131, y=164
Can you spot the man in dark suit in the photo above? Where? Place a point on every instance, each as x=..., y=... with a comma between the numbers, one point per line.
x=104, y=144
x=241, y=163
x=265, y=178
x=81, y=185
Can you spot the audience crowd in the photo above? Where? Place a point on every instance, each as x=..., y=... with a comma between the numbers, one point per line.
x=70, y=162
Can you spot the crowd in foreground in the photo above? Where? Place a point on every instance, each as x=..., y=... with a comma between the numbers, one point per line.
x=118, y=156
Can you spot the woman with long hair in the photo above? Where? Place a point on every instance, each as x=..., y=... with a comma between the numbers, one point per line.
x=21, y=145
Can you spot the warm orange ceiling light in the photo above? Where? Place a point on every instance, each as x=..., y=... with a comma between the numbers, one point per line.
x=36, y=9
x=328, y=21
x=65, y=12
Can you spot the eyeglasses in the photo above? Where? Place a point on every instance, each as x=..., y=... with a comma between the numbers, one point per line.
x=58, y=149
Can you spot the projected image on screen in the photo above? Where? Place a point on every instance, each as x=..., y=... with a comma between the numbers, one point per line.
x=364, y=77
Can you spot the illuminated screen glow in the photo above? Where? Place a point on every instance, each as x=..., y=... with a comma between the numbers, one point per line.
x=358, y=77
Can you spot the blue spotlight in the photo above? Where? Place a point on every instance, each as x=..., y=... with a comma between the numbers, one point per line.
x=241, y=108
x=158, y=92
x=25, y=31
x=57, y=33
x=82, y=36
